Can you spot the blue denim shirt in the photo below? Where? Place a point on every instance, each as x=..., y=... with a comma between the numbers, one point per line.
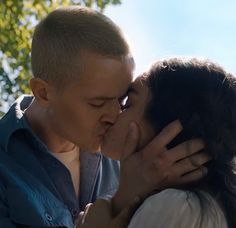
x=36, y=189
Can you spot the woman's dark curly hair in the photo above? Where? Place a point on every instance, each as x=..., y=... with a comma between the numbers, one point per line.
x=203, y=97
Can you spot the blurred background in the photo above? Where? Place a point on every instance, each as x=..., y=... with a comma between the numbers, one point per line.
x=155, y=29
x=159, y=29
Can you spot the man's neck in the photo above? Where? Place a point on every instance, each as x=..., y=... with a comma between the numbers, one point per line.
x=41, y=126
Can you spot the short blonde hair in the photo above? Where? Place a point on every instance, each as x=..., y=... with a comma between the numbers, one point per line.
x=60, y=38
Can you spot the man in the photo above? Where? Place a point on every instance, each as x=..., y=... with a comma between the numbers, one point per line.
x=82, y=68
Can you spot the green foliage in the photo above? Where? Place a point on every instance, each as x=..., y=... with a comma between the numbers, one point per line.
x=17, y=20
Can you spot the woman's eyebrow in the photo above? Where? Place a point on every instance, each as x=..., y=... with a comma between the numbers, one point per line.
x=132, y=90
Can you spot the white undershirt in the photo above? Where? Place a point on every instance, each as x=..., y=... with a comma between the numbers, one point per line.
x=71, y=160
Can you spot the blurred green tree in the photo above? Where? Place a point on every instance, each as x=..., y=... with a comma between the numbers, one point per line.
x=17, y=21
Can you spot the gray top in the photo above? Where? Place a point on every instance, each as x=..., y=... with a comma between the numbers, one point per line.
x=174, y=208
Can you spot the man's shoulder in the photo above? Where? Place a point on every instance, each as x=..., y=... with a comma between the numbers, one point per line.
x=25, y=198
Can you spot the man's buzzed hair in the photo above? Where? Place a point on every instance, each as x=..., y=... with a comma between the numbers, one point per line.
x=64, y=34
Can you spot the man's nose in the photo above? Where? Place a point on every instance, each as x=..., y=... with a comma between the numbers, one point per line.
x=112, y=113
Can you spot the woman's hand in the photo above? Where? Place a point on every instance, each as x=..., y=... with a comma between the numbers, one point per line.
x=155, y=168
x=100, y=215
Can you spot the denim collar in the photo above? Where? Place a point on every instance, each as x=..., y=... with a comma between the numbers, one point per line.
x=14, y=120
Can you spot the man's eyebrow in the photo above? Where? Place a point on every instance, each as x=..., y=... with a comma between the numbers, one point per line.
x=131, y=89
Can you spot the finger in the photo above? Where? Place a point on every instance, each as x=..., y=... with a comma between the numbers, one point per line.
x=185, y=149
x=79, y=220
x=199, y=159
x=131, y=141
x=195, y=175
x=86, y=212
x=87, y=207
x=163, y=139
x=189, y=164
x=99, y=207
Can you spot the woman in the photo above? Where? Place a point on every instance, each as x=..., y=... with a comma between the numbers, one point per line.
x=203, y=97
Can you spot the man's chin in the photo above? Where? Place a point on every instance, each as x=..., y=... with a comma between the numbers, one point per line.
x=97, y=150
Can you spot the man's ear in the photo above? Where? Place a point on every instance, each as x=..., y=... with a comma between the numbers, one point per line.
x=41, y=91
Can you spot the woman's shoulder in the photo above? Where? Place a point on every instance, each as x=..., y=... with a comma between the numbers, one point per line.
x=173, y=195
x=178, y=208
x=174, y=202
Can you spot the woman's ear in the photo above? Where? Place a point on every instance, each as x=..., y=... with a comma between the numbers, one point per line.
x=41, y=90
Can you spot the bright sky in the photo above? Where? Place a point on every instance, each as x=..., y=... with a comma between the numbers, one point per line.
x=157, y=29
